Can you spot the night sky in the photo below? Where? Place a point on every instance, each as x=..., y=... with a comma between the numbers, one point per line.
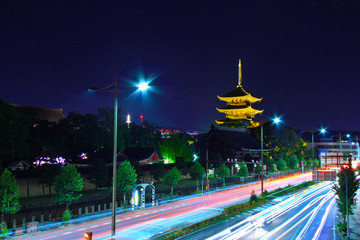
x=302, y=57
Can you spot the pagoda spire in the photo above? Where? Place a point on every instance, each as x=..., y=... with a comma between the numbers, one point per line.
x=240, y=76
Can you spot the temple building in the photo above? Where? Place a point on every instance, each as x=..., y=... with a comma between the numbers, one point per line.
x=239, y=111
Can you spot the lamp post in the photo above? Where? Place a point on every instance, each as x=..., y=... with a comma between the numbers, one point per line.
x=312, y=131
x=276, y=120
x=262, y=157
x=116, y=92
x=143, y=86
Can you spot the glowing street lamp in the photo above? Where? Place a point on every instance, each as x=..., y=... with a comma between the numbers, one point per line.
x=276, y=120
x=143, y=86
x=322, y=131
x=116, y=92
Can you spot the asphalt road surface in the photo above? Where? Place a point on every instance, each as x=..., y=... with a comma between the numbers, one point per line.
x=142, y=224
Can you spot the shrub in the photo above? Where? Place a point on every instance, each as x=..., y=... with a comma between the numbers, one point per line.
x=223, y=170
x=293, y=161
x=341, y=226
x=265, y=193
x=243, y=171
x=66, y=216
x=254, y=198
x=281, y=165
x=4, y=230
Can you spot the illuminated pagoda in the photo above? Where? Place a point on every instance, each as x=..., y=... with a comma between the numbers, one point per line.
x=239, y=111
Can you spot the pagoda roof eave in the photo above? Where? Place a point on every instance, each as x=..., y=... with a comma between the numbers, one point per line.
x=246, y=98
x=239, y=109
x=237, y=92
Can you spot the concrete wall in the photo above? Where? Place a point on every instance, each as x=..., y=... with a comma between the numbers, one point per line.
x=31, y=187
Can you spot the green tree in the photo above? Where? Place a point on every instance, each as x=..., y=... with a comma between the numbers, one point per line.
x=223, y=170
x=310, y=163
x=176, y=146
x=281, y=164
x=9, y=195
x=99, y=173
x=258, y=169
x=282, y=139
x=316, y=163
x=196, y=172
x=271, y=165
x=68, y=185
x=243, y=171
x=172, y=178
x=340, y=189
x=126, y=178
x=293, y=162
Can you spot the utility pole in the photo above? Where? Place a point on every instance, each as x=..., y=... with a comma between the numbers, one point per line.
x=207, y=169
x=262, y=158
x=113, y=222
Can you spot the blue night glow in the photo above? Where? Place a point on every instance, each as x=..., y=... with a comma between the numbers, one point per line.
x=277, y=120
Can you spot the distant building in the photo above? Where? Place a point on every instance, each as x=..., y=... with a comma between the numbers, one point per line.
x=37, y=113
x=235, y=145
x=239, y=111
x=142, y=155
x=334, y=148
x=19, y=165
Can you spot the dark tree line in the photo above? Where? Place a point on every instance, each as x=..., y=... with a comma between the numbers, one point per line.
x=24, y=138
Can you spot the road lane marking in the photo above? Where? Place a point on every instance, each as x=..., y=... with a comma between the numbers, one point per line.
x=67, y=233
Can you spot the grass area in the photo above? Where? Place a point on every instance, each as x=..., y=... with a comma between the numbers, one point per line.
x=234, y=210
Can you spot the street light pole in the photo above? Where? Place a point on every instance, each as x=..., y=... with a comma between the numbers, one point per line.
x=262, y=157
x=312, y=141
x=113, y=222
x=142, y=87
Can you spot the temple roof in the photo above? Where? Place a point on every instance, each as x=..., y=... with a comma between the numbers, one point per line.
x=242, y=109
x=237, y=138
x=51, y=115
x=140, y=153
x=239, y=92
x=230, y=121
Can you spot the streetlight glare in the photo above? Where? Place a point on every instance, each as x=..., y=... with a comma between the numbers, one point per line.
x=277, y=120
x=323, y=130
x=143, y=86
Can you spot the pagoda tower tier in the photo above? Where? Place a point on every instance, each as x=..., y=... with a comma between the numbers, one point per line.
x=239, y=111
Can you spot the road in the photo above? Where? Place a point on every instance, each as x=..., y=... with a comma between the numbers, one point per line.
x=309, y=214
x=145, y=223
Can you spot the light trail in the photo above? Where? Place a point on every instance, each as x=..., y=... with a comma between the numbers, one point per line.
x=300, y=207
x=149, y=222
